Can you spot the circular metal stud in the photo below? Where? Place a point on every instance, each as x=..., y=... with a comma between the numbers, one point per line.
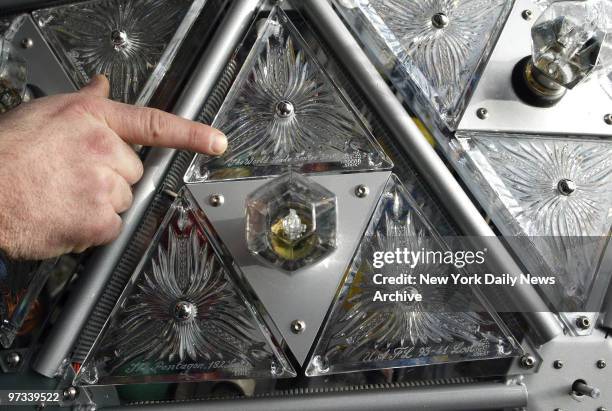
x=298, y=326
x=216, y=200
x=27, y=43
x=558, y=364
x=566, y=187
x=184, y=311
x=527, y=14
x=601, y=364
x=440, y=20
x=13, y=359
x=583, y=322
x=527, y=361
x=119, y=38
x=285, y=109
x=362, y=191
x=608, y=119
x=70, y=393
x=482, y=113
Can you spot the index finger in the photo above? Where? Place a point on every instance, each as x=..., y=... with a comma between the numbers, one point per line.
x=152, y=127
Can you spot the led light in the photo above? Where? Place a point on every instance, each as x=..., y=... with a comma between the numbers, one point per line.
x=132, y=42
x=183, y=316
x=291, y=222
x=285, y=110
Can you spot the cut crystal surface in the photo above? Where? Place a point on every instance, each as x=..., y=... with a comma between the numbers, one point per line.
x=13, y=76
x=184, y=316
x=291, y=222
x=132, y=42
x=432, y=47
x=556, y=192
x=364, y=332
x=285, y=110
x=571, y=41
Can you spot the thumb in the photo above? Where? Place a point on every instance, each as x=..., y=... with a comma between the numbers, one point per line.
x=97, y=86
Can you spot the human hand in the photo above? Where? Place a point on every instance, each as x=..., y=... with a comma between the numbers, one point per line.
x=66, y=167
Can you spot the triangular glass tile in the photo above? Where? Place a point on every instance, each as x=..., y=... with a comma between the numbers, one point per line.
x=132, y=42
x=432, y=48
x=285, y=110
x=184, y=316
x=552, y=198
x=366, y=330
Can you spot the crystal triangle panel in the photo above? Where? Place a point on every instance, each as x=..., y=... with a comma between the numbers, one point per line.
x=552, y=198
x=285, y=110
x=433, y=49
x=367, y=330
x=132, y=42
x=184, y=316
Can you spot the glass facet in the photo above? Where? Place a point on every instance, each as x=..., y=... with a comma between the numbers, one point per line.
x=132, y=42
x=555, y=194
x=13, y=76
x=184, y=316
x=571, y=41
x=284, y=110
x=363, y=332
x=291, y=222
x=431, y=48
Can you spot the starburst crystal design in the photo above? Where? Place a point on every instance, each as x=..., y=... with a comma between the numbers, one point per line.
x=365, y=331
x=284, y=110
x=183, y=316
x=124, y=39
x=556, y=192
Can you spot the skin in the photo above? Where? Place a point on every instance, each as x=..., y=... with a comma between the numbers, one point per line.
x=67, y=167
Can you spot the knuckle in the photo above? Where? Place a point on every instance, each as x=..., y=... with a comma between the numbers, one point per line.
x=81, y=104
x=99, y=141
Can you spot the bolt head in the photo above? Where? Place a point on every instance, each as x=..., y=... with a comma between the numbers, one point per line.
x=583, y=322
x=298, y=326
x=601, y=364
x=527, y=14
x=27, y=43
x=216, y=200
x=440, y=20
x=527, y=361
x=13, y=359
x=285, y=109
x=362, y=191
x=566, y=186
x=558, y=364
x=70, y=393
x=482, y=113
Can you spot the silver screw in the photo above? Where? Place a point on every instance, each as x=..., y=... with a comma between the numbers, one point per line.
x=362, y=191
x=527, y=361
x=601, y=364
x=216, y=200
x=608, y=119
x=13, y=359
x=566, y=186
x=482, y=113
x=440, y=20
x=583, y=322
x=285, y=109
x=558, y=364
x=70, y=393
x=527, y=14
x=27, y=43
x=298, y=326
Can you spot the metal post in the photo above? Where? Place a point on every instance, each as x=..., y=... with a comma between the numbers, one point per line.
x=431, y=167
x=101, y=265
x=460, y=397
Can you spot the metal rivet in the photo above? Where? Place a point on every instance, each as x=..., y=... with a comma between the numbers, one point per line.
x=558, y=364
x=602, y=409
x=608, y=119
x=601, y=364
x=119, y=38
x=566, y=186
x=298, y=326
x=285, y=109
x=13, y=359
x=27, y=43
x=362, y=191
x=482, y=113
x=216, y=200
x=527, y=14
x=184, y=311
x=440, y=20
x=527, y=361
x=70, y=393
x=583, y=322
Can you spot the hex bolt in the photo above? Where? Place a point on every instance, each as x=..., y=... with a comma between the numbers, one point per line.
x=482, y=113
x=527, y=14
x=27, y=43
x=216, y=200
x=527, y=361
x=298, y=326
x=362, y=191
x=70, y=393
x=601, y=364
x=558, y=364
x=608, y=119
x=13, y=359
x=580, y=387
x=583, y=322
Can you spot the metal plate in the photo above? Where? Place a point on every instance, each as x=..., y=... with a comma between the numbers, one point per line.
x=580, y=112
x=305, y=294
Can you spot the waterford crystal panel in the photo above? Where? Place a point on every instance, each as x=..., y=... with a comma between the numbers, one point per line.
x=132, y=42
x=555, y=195
x=364, y=332
x=284, y=110
x=184, y=316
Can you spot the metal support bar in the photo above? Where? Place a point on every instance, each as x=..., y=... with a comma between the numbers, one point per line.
x=607, y=309
x=427, y=161
x=460, y=397
x=101, y=265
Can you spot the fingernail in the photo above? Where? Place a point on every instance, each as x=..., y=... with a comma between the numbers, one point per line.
x=219, y=144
